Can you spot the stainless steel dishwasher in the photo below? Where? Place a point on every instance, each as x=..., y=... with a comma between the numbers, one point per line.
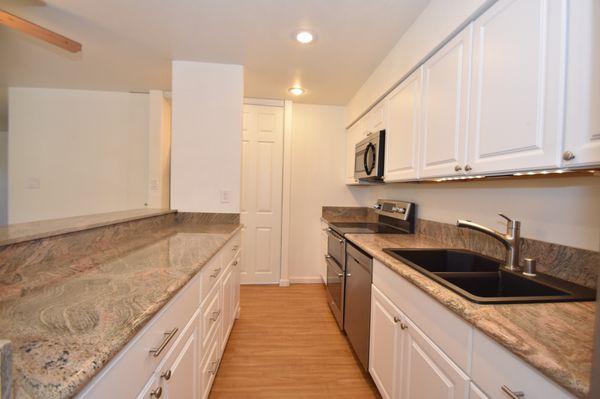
x=357, y=309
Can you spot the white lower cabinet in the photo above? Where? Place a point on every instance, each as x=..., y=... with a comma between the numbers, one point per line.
x=177, y=354
x=404, y=362
x=411, y=358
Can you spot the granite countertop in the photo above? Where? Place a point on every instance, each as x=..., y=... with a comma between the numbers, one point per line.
x=20, y=232
x=66, y=320
x=555, y=338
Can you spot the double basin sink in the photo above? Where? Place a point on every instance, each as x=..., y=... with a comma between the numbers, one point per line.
x=484, y=280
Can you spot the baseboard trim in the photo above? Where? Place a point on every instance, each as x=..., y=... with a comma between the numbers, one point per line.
x=284, y=283
x=306, y=280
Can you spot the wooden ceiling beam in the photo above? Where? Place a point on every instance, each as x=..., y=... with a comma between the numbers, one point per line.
x=20, y=24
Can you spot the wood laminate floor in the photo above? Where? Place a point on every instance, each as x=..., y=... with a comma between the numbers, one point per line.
x=286, y=344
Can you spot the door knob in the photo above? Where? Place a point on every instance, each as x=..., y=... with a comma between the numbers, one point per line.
x=568, y=156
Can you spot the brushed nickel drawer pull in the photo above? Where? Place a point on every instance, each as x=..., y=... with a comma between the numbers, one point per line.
x=214, y=369
x=166, y=375
x=215, y=315
x=512, y=394
x=157, y=393
x=168, y=337
x=216, y=272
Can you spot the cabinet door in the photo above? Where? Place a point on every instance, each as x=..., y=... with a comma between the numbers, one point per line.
x=227, y=295
x=375, y=120
x=517, y=91
x=427, y=371
x=181, y=383
x=582, y=121
x=445, y=108
x=235, y=270
x=402, y=133
x=385, y=351
x=353, y=136
x=476, y=393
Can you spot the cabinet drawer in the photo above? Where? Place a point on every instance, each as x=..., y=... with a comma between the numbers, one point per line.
x=127, y=373
x=211, y=273
x=209, y=366
x=447, y=330
x=494, y=367
x=212, y=314
x=231, y=249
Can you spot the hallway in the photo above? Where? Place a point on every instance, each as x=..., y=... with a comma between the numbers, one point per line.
x=286, y=344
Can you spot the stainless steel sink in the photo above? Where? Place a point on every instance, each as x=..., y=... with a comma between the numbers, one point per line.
x=483, y=279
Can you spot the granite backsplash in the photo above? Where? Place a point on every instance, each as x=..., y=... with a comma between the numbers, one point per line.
x=577, y=265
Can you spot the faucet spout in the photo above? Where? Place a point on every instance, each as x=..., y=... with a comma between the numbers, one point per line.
x=511, y=240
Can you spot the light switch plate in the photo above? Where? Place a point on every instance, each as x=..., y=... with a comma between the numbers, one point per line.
x=225, y=196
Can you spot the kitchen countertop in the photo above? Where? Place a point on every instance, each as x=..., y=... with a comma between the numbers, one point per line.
x=20, y=232
x=67, y=320
x=555, y=338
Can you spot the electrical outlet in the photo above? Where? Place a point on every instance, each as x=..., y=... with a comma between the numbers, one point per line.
x=33, y=183
x=225, y=196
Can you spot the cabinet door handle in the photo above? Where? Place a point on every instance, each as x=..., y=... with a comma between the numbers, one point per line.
x=235, y=263
x=213, y=370
x=215, y=272
x=468, y=168
x=397, y=319
x=568, y=156
x=215, y=315
x=166, y=375
x=403, y=326
x=168, y=337
x=157, y=393
x=512, y=394
x=457, y=168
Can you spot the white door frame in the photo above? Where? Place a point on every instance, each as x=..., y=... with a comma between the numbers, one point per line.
x=284, y=280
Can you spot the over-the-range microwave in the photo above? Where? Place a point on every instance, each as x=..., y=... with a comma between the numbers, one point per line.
x=369, y=157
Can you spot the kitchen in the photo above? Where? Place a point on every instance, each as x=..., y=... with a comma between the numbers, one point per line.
x=333, y=199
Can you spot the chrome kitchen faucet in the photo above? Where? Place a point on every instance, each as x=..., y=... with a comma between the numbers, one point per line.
x=511, y=240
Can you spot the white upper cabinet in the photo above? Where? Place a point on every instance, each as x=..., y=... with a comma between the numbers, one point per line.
x=517, y=94
x=582, y=122
x=402, y=130
x=375, y=119
x=445, y=108
x=353, y=136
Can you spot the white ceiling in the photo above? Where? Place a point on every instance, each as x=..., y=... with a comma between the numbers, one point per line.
x=128, y=44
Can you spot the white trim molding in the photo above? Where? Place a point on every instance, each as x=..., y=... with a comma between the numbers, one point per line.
x=306, y=280
x=284, y=280
x=264, y=101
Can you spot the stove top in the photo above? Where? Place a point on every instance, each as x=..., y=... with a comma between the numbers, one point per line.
x=365, y=228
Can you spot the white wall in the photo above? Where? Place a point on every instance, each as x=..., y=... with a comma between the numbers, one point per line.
x=436, y=23
x=207, y=105
x=75, y=152
x=318, y=170
x=3, y=178
x=561, y=210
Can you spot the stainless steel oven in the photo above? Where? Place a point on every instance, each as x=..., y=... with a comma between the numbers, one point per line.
x=336, y=269
x=369, y=157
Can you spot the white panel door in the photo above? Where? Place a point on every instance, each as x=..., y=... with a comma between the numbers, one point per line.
x=402, y=130
x=445, y=107
x=385, y=350
x=517, y=90
x=427, y=372
x=262, y=168
x=582, y=121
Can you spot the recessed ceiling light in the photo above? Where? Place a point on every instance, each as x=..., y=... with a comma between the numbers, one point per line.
x=296, y=90
x=304, y=37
